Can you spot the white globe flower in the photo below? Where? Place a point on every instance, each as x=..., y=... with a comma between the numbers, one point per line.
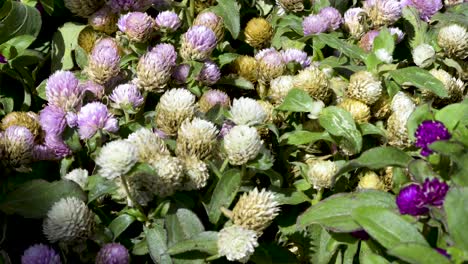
x=247, y=111
x=384, y=56
x=116, y=158
x=80, y=176
x=237, y=243
x=424, y=55
x=242, y=144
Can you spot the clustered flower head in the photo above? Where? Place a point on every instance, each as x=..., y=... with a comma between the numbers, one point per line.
x=113, y=253
x=63, y=91
x=168, y=20
x=40, y=253
x=173, y=108
x=383, y=12
x=321, y=173
x=196, y=138
x=209, y=74
x=453, y=39
x=297, y=56
x=103, y=62
x=428, y=132
x=116, y=158
x=426, y=8
x=198, y=43
x=149, y=145
x=79, y=176
x=155, y=68
x=104, y=20
x=126, y=97
x=237, y=243
x=247, y=111
x=258, y=32
x=211, y=21
x=93, y=118
x=241, y=144
x=415, y=199
x=138, y=26
x=211, y=98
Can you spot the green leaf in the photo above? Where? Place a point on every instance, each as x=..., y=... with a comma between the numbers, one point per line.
x=334, y=212
x=370, y=129
x=34, y=198
x=387, y=227
x=418, y=254
x=230, y=11
x=226, y=58
x=99, y=186
x=457, y=215
x=223, y=194
x=421, y=113
x=349, y=50
x=204, y=242
x=377, y=158
x=64, y=42
x=384, y=40
x=20, y=20
x=339, y=122
x=453, y=115
x=301, y=137
x=448, y=148
x=417, y=34
x=419, y=78
x=272, y=253
x=420, y=170
x=120, y=224
x=372, y=258
x=156, y=238
x=16, y=46
x=297, y=100
x=237, y=81
x=182, y=225
x=322, y=245
x=48, y=6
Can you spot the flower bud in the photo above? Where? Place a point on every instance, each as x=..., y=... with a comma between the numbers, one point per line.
x=168, y=21
x=173, y=108
x=211, y=21
x=196, y=174
x=247, y=111
x=370, y=180
x=209, y=74
x=320, y=173
x=83, y=8
x=424, y=55
x=63, y=91
x=270, y=64
x=18, y=143
x=113, y=253
x=453, y=40
x=258, y=32
x=170, y=174
x=291, y=5
x=332, y=16
x=104, y=62
x=79, y=176
x=198, y=43
x=126, y=97
x=426, y=8
x=154, y=69
x=138, y=26
x=180, y=74
x=382, y=12
x=149, y=145
x=237, y=243
x=365, y=87
x=40, y=253
x=242, y=143
x=314, y=82
x=211, y=98
x=104, y=20
x=29, y=120
x=359, y=110
x=246, y=67
x=314, y=24
x=94, y=117
x=397, y=34
x=196, y=138
x=355, y=21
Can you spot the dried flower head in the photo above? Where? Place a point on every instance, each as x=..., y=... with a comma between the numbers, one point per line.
x=211, y=98
x=247, y=67
x=241, y=144
x=198, y=43
x=314, y=24
x=314, y=82
x=29, y=120
x=290, y=5
x=365, y=87
x=370, y=180
x=355, y=21
x=138, y=26
x=424, y=55
x=116, y=158
x=113, y=253
x=332, y=16
x=83, y=8
x=359, y=110
x=428, y=132
x=455, y=88
x=62, y=90
x=453, y=40
x=258, y=32
x=270, y=64
x=237, y=243
x=280, y=87
x=126, y=97
x=247, y=111
x=87, y=38
x=196, y=138
x=104, y=20
x=212, y=21
x=383, y=12
x=40, y=254
x=402, y=107
x=173, y=108
x=95, y=117
x=79, y=176
x=320, y=173
x=168, y=21
x=170, y=175
x=104, y=61
x=150, y=146
x=196, y=174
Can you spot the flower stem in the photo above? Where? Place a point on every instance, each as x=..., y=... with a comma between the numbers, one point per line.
x=191, y=12
x=127, y=117
x=318, y=196
x=130, y=196
x=223, y=167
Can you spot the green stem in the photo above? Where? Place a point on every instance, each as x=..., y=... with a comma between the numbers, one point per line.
x=318, y=196
x=223, y=167
x=127, y=117
x=130, y=196
x=243, y=171
x=191, y=12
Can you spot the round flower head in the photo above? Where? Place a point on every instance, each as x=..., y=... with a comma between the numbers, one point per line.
x=40, y=254
x=104, y=62
x=297, y=56
x=453, y=40
x=211, y=21
x=255, y=210
x=62, y=90
x=83, y=8
x=29, y=120
x=314, y=24
x=87, y=38
x=246, y=67
x=211, y=98
x=68, y=220
x=359, y=110
x=402, y=105
x=209, y=74
x=94, y=117
x=290, y=5
x=370, y=180
x=258, y=32
x=150, y=146
x=354, y=21
x=320, y=173
x=198, y=43
x=168, y=21
x=367, y=41
x=154, y=69
x=52, y=120
x=54, y=148
x=113, y=253
x=247, y=111
x=116, y=158
x=201, y=5
x=123, y=6
x=410, y=200
x=137, y=26
x=126, y=97
x=96, y=91
x=18, y=143
x=424, y=55
x=397, y=131
x=280, y=87
x=314, y=82
x=173, y=108
x=170, y=175
x=382, y=12
x=196, y=174
x=242, y=143
x=332, y=16
x=454, y=87
x=237, y=243
x=196, y=138
x=104, y=20
x=180, y=73
x=428, y=132
x=80, y=176
x=270, y=64
x=434, y=192
x=365, y=87
x=426, y=8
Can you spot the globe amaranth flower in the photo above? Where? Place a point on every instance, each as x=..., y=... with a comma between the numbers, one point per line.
x=211, y=98
x=94, y=117
x=280, y=87
x=255, y=210
x=138, y=26
x=270, y=64
x=320, y=173
x=154, y=69
x=68, y=220
x=209, y=74
x=196, y=174
x=62, y=90
x=315, y=82
x=198, y=43
x=95, y=91
x=104, y=61
x=367, y=41
x=170, y=175
x=410, y=200
x=297, y=56
x=40, y=254
x=237, y=243
x=211, y=21
x=455, y=88
x=355, y=21
x=428, y=132
x=173, y=108
x=397, y=34
x=53, y=120
x=370, y=180
x=150, y=146
x=241, y=144
x=314, y=24
x=434, y=192
x=168, y=21
x=383, y=12
x=126, y=97
x=426, y=8
x=258, y=32
x=402, y=107
x=332, y=16
x=246, y=67
x=196, y=138
x=384, y=56
x=83, y=8
x=424, y=55
x=180, y=74
x=124, y=6
x=116, y=158
x=365, y=87
x=113, y=253
x=104, y=20
x=247, y=111
x=359, y=110
x=29, y=120
x=453, y=40
x=18, y=143
x=79, y=176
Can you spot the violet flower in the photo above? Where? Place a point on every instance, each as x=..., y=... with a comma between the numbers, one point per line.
x=295, y=55
x=113, y=253
x=209, y=74
x=428, y=132
x=168, y=21
x=411, y=200
x=62, y=90
x=314, y=24
x=94, y=117
x=434, y=192
x=426, y=8
x=40, y=254
x=126, y=97
x=198, y=43
x=332, y=16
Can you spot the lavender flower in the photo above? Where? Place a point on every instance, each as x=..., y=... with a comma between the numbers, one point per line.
x=295, y=55
x=434, y=192
x=104, y=61
x=155, y=68
x=122, y=6
x=55, y=147
x=40, y=254
x=209, y=74
x=104, y=20
x=52, y=119
x=126, y=97
x=428, y=132
x=332, y=16
x=314, y=24
x=211, y=98
x=225, y=128
x=63, y=91
x=137, y=26
x=113, y=253
x=270, y=64
x=181, y=73
x=383, y=12
x=410, y=200
x=396, y=32
x=426, y=8
x=93, y=117
x=198, y=43
x=168, y=21
x=211, y=21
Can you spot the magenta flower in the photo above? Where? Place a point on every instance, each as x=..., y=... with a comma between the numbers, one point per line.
x=314, y=24
x=434, y=192
x=113, y=253
x=94, y=117
x=428, y=132
x=40, y=254
x=411, y=201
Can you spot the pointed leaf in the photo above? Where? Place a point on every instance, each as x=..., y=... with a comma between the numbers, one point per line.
x=230, y=11
x=297, y=100
x=120, y=224
x=182, y=225
x=204, y=242
x=419, y=78
x=156, y=238
x=457, y=215
x=418, y=254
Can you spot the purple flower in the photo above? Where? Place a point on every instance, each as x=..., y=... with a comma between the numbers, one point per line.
x=40, y=254
x=211, y=98
x=93, y=117
x=225, y=128
x=137, y=26
x=383, y=12
x=126, y=97
x=443, y=252
x=295, y=55
x=367, y=41
x=155, y=68
x=434, y=192
x=332, y=16
x=410, y=200
x=209, y=73
x=270, y=57
x=104, y=62
x=95, y=89
x=72, y=119
x=314, y=24
x=56, y=146
x=122, y=6
x=198, y=43
x=426, y=8
x=52, y=120
x=181, y=73
x=360, y=234
x=428, y=132
x=168, y=20
x=396, y=32
x=113, y=253
x=212, y=21
x=3, y=60
x=62, y=90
